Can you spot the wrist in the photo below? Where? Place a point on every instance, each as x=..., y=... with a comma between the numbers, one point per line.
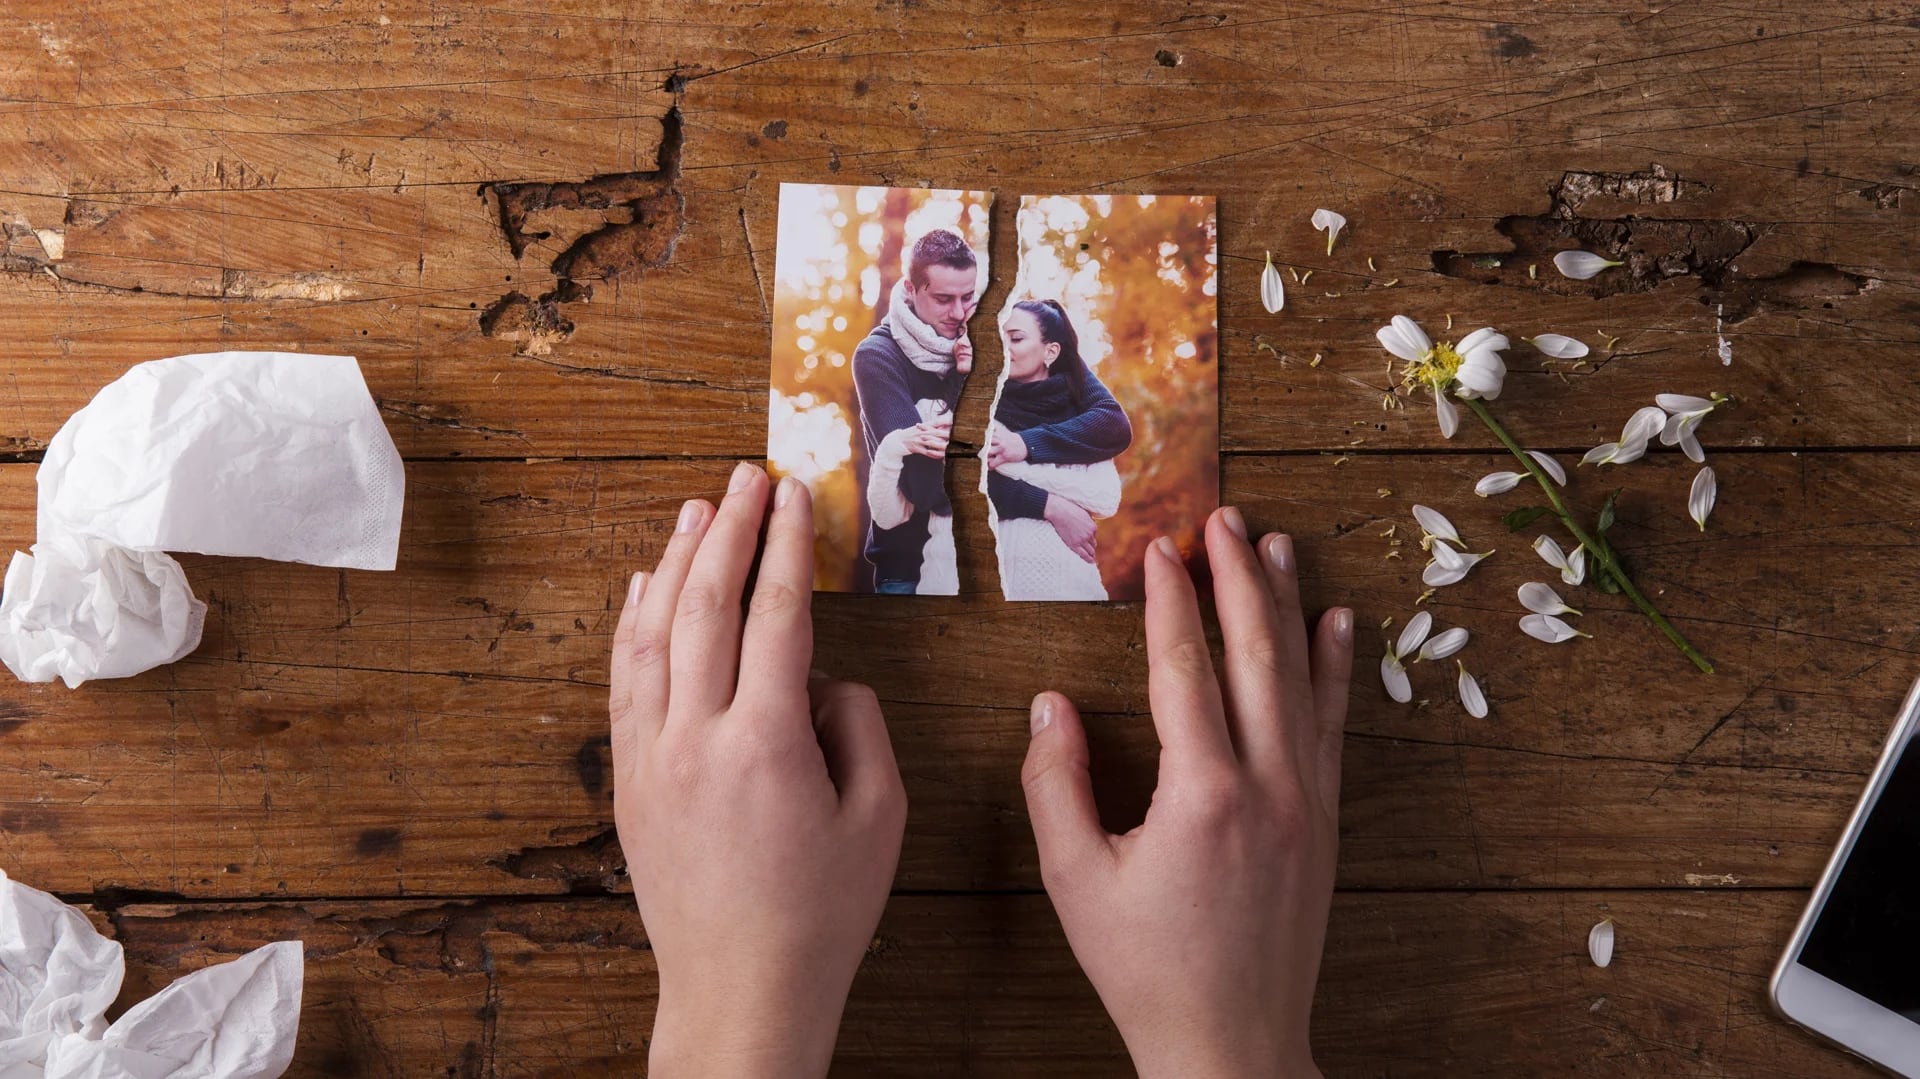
x=1163, y=1054
x=733, y=1035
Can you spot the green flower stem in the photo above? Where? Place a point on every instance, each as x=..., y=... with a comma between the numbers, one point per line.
x=1602, y=553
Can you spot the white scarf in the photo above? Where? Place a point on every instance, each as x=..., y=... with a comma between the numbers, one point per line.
x=922, y=343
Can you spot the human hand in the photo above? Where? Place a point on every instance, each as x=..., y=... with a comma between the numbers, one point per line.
x=1202, y=928
x=760, y=810
x=1073, y=523
x=925, y=439
x=1004, y=447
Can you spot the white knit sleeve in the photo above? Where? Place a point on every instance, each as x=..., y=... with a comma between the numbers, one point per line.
x=885, y=504
x=1094, y=488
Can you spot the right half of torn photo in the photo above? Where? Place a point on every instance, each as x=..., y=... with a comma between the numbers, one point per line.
x=1105, y=429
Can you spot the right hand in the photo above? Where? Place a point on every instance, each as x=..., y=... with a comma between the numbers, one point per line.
x=1202, y=928
x=1073, y=523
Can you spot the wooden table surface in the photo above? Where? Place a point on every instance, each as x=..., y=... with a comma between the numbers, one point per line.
x=547, y=230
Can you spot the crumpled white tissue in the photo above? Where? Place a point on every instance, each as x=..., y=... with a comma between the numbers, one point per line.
x=267, y=454
x=58, y=975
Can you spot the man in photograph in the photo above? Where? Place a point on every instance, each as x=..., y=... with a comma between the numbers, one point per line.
x=907, y=375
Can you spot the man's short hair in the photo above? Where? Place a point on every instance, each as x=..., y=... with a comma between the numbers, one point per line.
x=938, y=247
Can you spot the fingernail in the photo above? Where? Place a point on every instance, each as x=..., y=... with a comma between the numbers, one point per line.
x=784, y=493
x=1165, y=546
x=1042, y=713
x=1231, y=515
x=1280, y=553
x=689, y=516
x=635, y=587
x=1343, y=626
x=742, y=475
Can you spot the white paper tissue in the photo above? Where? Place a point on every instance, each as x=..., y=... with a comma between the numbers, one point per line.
x=58, y=975
x=266, y=454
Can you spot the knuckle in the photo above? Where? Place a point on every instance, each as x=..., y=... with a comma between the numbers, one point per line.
x=1187, y=657
x=700, y=602
x=776, y=599
x=1260, y=652
x=649, y=647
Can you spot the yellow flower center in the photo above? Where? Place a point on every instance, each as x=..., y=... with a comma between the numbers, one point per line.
x=1435, y=369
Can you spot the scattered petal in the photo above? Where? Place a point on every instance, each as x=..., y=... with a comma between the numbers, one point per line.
x=1273, y=291
x=1602, y=454
x=1600, y=943
x=1444, y=644
x=1690, y=443
x=1331, y=223
x=1700, y=500
x=1470, y=695
x=1435, y=524
x=1495, y=483
x=1643, y=425
x=1679, y=402
x=1449, y=416
x=1576, y=570
x=1414, y=634
x=1449, y=566
x=1482, y=338
x=1580, y=265
x=1546, y=627
x=1551, y=466
x=1573, y=568
x=1394, y=677
x=1542, y=599
x=1559, y=347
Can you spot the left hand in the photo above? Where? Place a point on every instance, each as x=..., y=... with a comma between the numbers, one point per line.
x=1004, y=447
x=760, y=810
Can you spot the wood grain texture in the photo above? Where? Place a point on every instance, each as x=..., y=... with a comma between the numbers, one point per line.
x=546, y=230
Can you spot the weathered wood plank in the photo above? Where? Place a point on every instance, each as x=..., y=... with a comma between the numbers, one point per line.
x=330, y=206
x=316, y=745
x=1412, y=985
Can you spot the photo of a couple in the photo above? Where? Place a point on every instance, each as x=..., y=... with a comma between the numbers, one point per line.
x=1103, y=433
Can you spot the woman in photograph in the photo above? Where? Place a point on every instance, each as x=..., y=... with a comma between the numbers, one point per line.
x=1049, y=458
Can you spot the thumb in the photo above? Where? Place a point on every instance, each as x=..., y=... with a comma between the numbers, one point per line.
x=1066, y=821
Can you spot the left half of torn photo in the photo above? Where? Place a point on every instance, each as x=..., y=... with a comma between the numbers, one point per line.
x=873, y=291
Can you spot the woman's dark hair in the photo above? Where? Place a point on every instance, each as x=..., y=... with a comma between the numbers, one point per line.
x=1057, y=329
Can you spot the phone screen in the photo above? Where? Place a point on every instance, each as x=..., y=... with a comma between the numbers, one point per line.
x=1867, y=937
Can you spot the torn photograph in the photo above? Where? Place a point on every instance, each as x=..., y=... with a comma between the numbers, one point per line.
x=1105, y=429
x=873, y=290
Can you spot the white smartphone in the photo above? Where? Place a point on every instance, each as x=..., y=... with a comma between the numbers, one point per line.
x=1852, y=971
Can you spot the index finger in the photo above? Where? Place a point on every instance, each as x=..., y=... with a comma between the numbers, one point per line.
x=779, y=630
x=1187, y=713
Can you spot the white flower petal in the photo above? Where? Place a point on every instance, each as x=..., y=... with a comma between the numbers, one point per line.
x=1394, y=677
x=1643, y=425
x=1559, y=347
x=1496, y=483
x=1601, y=454
x=1680, y=402
x=1700, y=500
x=1414, y=335
x=1551, y=466
x=1690, y=444
x=1331, y=222
x=1438, y=575
x=1449, y=416
x=1435, y=523
x=1485, y=337
x=1444, y=644
x=1629, y=452
x=1546, y=627
x=1550, y=552
x=1413, y=634
x=1470, y=695
x=1481, y=378
x=1273, y=291
x=1575, y=570
x=1670, y=431
x=1449, y=558
x=1542, y=599
x=1600, y=943
x=1581, y=265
